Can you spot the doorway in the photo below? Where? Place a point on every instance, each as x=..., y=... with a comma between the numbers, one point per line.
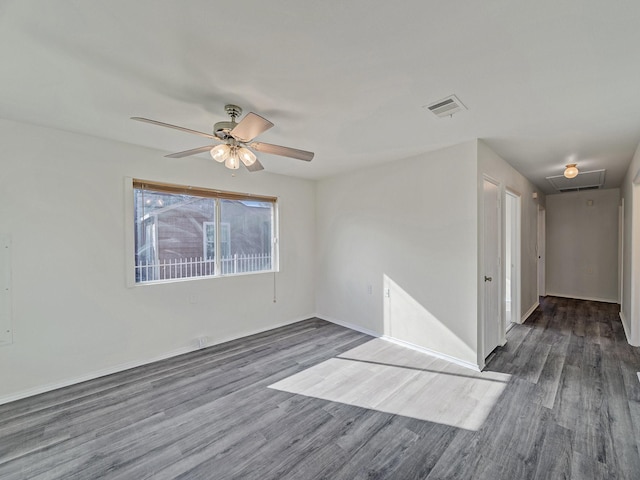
x=512, y=259
x=491, y=262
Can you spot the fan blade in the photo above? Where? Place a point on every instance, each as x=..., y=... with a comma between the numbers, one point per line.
x=162, y=124
x=282, y=151
x=255, y=166
x=250, y=127
x=193, y=151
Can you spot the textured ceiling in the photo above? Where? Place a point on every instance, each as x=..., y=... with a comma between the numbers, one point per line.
x=545, y=82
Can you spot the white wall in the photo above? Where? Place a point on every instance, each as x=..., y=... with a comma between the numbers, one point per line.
x=491, y=164
x=62, y=202
x=409, y=226
x=582, y=245
x=630, y=307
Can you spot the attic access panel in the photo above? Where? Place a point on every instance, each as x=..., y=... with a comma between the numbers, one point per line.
x=583, y=181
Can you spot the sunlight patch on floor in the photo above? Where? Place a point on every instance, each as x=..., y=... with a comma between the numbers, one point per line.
x=387, y=377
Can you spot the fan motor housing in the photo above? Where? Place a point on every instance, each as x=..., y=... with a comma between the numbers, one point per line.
x=222, y=129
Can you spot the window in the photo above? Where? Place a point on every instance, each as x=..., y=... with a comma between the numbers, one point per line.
x=185, y=232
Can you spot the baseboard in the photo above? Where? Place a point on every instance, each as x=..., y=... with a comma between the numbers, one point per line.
x=350, y=326
x=136, y=363
x=627, y=334
x=578, y=297
x=433, y=353
x=403, y=343
x=528, y=313
x=623, y=319
x=93, y=375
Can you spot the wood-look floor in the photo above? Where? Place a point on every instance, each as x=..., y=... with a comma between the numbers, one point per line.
x=570, y=409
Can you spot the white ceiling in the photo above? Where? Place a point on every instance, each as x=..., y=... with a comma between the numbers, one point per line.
x=545, y=82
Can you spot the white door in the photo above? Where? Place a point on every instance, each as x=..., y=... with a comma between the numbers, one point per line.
x=491, y=274
x=541, y=253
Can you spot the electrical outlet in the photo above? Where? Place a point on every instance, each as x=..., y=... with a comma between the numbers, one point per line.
x=202, y=342
x=369, y=289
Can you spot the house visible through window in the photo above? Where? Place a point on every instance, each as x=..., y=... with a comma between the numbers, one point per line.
x=184, y=232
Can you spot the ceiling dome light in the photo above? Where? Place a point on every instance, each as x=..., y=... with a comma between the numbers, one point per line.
x=571, y=171
x=247, y=156
x=220, y=152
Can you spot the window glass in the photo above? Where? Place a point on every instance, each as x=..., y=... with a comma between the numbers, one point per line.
x=248, y=248
x=209, y=239
x=178, y=236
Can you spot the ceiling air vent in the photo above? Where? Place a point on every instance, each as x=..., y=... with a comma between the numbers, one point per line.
x=446, y=107
x=583, y=181
x=578, y=189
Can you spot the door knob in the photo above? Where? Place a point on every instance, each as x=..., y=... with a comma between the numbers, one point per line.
x=487, y=279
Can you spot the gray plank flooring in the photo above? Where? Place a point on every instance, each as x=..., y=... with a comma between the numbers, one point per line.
x=571, y=409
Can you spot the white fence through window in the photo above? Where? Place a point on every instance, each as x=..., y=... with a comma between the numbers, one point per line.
x=176, y=268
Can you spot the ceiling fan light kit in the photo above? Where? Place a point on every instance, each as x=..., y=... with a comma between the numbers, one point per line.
x=247, y=156
x=220, y=152
x=236, y=141
x=571, y=171
x=231, y=155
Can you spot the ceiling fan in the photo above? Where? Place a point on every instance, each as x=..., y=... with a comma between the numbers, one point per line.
x=234, y=141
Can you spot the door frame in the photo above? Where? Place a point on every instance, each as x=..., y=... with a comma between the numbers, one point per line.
x=621, y=234
x=516, y=314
